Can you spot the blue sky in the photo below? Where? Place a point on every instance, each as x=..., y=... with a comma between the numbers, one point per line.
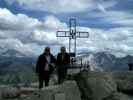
x=29, y=26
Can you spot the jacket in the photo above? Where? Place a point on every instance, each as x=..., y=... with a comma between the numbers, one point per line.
x=65, y=61
x=41, y=62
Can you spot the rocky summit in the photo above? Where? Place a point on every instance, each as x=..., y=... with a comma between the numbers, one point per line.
x=86, y=85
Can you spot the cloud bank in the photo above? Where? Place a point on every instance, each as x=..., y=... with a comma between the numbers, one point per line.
x=28, y=32
x=19, y=31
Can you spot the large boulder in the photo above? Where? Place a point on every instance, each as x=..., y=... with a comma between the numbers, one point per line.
x=123, y=75
x=125, y=86
x=124, y=81
x=117, y=96
x=95, y=85
x=66, y=91
x=10, y=92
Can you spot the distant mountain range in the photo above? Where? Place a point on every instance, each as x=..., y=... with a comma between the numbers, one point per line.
x=15, y=65
x=106, y=61
x=100, y=60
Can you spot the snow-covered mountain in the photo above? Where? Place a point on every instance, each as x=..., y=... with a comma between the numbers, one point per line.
x=105, y=61
x=11, y=53
x=15, y=53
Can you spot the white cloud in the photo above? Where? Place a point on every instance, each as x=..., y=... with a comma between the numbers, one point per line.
x=108, y=18
x=15, y=44
x=26, y=30
x=117, y=17
x=16, y=22
x=122, y=18
x=117, y=41
x=67, y=6
x=19, y=22
x=101, y=8
x=51, y=22
x=24, y=27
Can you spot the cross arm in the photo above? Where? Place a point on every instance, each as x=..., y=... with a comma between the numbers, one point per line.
x=82, y=34
x=62, y=34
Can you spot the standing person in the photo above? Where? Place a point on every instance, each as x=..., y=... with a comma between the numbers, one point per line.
x=44, y=67
x=63, y=61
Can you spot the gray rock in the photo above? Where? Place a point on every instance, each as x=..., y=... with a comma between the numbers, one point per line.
x=10, y=92
x=66, y=91
x=124, y=81
x=123, y=75
x=117, y=96
x=125, y=86
x=96, y=85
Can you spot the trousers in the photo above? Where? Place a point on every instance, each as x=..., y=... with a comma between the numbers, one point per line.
x=44, y=77
x=62, y=72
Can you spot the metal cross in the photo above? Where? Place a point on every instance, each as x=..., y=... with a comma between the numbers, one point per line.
x=72, y=34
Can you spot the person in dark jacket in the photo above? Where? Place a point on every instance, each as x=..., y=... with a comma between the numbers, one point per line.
x=63, y=61
x=44, y=67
